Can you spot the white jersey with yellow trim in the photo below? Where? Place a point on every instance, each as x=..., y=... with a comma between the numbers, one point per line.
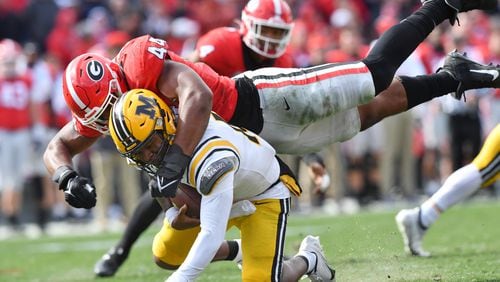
x=229, y=164
x=255, y=164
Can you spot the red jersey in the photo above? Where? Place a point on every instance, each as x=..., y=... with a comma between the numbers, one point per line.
x=223, y=50
x=142, y=61
x=15, y=95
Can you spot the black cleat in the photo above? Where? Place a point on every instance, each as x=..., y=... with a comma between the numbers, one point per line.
x=466, y=5
x=470, y=74
x=110, y=262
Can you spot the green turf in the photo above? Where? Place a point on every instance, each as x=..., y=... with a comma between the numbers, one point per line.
x=365, y=247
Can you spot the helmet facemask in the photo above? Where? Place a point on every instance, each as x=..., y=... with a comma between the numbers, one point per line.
x=266, y=27
x=98, y=117
x=151, y=166
x=257, y=36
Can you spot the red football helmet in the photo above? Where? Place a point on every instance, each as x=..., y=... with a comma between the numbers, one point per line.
x=91, y=85
x=266, y=26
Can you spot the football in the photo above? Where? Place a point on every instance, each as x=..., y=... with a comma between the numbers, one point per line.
x=189, y=196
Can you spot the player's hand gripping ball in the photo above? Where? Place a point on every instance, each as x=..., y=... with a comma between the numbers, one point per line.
x=190, y=197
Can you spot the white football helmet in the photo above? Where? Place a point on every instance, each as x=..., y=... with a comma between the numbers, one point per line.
x=266, y=26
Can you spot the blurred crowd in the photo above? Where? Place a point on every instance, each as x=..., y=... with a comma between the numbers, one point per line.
x=401, y=158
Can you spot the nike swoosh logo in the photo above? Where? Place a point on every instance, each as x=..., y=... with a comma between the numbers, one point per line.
x=162, y=186
x=89, y=188
x=287, y=107
x=493, y=73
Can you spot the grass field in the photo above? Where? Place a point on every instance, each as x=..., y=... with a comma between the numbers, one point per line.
x=465, y=244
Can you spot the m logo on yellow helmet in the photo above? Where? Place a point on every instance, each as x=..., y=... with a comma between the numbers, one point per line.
x=147, y=108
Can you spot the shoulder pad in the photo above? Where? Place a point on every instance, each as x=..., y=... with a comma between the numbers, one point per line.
x=213, y=173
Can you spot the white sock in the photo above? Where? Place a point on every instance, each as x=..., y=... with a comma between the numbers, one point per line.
x=428, y=213
x=457, y=187
x=311, y=259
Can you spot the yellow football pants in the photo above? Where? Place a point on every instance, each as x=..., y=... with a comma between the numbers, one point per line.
x=262, y=237
x=488, y=159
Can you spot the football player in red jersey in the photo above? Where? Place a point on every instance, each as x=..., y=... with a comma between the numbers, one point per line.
x=16, y=120
x=260, y=42
x=296, y=110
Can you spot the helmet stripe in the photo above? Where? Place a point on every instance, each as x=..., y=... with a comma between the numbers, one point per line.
x=277, y=7
x=71, y=89
x=120, y=126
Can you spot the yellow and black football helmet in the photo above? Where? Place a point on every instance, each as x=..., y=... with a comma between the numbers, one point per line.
x=135, y=118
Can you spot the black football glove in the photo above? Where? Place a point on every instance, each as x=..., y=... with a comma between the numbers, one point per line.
x=170, y=171
x=153, y=188
x=78, y=191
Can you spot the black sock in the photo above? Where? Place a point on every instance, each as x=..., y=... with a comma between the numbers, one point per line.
x=13, y=220
x=144, y=214
x=423, y=88
x=420, y=223
x=396, y=44
x=42, y=216
x=233, y=249
x=42, y=213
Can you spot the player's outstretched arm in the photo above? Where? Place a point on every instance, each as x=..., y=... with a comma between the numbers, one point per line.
x=64, y=146
x=79, y=192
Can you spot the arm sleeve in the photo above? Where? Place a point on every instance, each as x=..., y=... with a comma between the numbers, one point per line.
x=214, y=215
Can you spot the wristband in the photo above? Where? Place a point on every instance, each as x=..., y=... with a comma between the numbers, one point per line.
x=171, y=214
x=62, y=175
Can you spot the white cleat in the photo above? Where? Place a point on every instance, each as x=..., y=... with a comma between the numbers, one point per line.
x=412, y=231
x=321, y=271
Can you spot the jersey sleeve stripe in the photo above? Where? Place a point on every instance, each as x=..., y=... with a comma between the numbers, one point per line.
x=121, y=128
x=200, y=165
x=204, y=152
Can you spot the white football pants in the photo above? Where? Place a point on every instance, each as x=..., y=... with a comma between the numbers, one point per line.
x=308, y=108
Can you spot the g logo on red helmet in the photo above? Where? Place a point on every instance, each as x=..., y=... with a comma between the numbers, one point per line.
x=95, y=70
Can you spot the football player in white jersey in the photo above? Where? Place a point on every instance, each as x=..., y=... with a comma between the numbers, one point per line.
x=229, y=164
x=482, y=172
